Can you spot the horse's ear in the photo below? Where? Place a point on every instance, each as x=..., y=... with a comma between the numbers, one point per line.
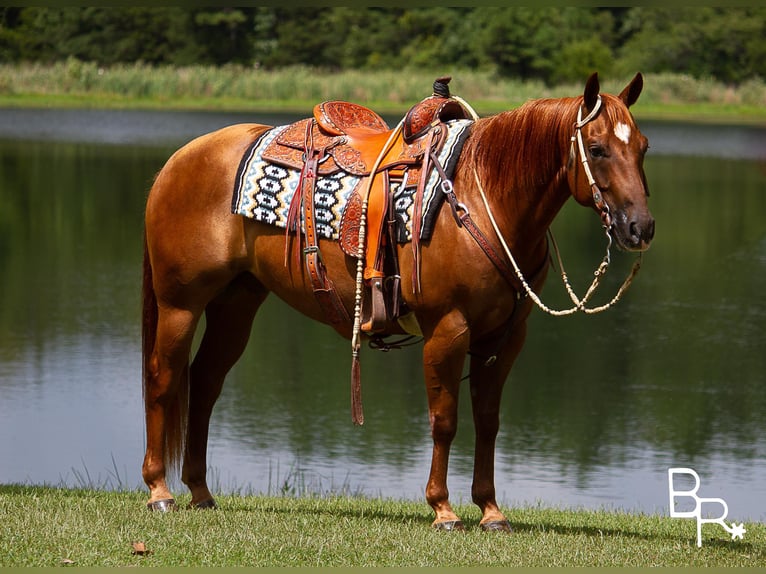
x=631, y=92
x=592, y=88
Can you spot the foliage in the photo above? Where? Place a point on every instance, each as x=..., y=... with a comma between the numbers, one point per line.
x=171, y=35
x=551, y=44
x=726, y=44
x=50, y=527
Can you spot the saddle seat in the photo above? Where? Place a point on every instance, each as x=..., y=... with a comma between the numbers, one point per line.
x=355, y=149
x=338, y=118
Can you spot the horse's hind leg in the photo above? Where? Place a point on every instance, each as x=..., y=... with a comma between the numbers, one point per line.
x=228, y=321
x=164, y=397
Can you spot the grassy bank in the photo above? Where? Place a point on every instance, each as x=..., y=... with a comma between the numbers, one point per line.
x=81, y=84
x=50, y=527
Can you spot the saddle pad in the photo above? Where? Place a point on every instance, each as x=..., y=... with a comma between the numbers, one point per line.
x=263, y=190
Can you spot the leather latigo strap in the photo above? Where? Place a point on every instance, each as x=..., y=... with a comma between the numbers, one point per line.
x=430, y=154
x=322, y=285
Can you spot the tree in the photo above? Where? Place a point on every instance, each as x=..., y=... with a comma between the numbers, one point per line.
x=726, y=43
x=164, y=35
x=551, y=44
x=224, y=35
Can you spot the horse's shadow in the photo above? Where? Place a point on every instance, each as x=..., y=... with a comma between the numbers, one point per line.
x=527, y=527
x=600, y=532
x=377, y=513
x=471, y=523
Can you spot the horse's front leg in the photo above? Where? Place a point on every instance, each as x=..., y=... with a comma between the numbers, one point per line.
x=487, y=382
x=444, y=354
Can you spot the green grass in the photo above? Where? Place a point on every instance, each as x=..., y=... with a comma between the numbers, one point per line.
x=235, y=88
x=41, y=526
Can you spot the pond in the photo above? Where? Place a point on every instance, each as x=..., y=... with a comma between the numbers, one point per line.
x=596, y=409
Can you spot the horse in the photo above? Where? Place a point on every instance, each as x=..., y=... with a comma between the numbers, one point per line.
x=516, y=171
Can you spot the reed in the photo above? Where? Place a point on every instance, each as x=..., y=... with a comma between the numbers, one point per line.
x=233, y=86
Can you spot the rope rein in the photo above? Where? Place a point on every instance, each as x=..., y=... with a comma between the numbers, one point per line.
x=579, y=305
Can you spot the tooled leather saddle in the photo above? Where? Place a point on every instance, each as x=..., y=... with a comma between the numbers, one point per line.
x=343, y=136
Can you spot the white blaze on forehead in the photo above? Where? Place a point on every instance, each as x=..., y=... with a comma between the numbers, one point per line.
x=622, y=131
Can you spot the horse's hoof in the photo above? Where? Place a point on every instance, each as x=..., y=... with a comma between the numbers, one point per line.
x=166, y=505
x=496, y=526
x=449, y=525
x=208, y=504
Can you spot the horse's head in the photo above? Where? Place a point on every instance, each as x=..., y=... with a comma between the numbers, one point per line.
x=606, y=164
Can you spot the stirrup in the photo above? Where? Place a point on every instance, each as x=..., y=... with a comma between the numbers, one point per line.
x=377, y=321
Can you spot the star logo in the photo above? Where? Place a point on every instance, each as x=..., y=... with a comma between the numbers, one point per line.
x=737, y=531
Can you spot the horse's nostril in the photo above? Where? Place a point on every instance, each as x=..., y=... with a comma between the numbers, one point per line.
x=640, y=233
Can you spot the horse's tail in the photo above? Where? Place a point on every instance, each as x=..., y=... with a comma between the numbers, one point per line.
x=176, y=412
x=149, y=317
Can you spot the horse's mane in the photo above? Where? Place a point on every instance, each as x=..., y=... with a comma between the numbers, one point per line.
x=521, y=150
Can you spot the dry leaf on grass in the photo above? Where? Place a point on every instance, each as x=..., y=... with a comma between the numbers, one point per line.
x=139, y=548
x=67, y=561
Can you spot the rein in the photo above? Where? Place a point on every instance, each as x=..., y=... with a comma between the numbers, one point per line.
x=579, y=304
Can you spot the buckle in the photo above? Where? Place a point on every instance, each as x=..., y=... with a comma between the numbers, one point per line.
x=313, y=249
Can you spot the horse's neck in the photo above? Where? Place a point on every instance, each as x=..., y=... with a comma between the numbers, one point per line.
x=523, y=158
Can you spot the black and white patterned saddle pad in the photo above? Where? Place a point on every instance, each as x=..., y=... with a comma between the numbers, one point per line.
x=263, y=190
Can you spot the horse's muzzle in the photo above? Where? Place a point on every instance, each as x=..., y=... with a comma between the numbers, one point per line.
x=633, y=232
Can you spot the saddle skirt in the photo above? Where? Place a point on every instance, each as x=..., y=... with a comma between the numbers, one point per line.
x=270, y=171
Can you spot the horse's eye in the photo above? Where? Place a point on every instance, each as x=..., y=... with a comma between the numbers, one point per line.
x=597, y=151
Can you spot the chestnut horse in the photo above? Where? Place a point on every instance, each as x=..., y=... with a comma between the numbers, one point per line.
x=200, y=258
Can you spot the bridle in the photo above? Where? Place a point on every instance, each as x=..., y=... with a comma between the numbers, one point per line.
x=579, y=305
x=598, y=198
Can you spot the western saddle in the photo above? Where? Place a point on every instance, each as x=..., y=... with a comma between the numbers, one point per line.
x=343, y=136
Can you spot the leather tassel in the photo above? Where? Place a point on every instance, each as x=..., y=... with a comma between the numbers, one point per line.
x=357, y=414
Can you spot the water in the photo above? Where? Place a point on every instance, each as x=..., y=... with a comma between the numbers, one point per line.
x=596, y=410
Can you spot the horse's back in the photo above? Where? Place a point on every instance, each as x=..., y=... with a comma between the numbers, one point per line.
x=209, y=158
x=190, y=231
x=212, y=155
